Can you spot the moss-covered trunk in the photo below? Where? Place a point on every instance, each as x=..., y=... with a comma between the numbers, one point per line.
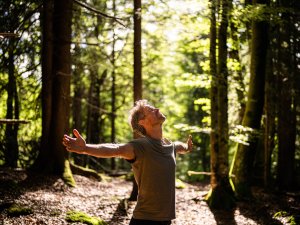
x=244, y=155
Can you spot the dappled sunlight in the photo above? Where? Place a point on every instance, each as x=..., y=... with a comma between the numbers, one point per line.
x=50, y=200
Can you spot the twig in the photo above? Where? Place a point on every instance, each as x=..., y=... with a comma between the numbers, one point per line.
x=99, y=12
x=204, y=173
x=13, y=121
x=8, y=35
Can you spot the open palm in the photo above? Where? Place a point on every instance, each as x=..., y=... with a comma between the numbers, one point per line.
x=76, y=144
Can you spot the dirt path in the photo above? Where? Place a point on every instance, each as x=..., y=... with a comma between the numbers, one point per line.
x=50, y=199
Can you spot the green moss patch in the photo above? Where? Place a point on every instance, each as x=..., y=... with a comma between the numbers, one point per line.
x=17, y=210
x=179, y=184
x=286, y=217
x=76, y=216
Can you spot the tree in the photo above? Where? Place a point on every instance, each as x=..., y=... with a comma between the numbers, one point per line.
x=12, y=111
x=137, y=69
x=287, y=102
x=221, y=194
x=244, y=155
x=46, y=58
x=60, y=75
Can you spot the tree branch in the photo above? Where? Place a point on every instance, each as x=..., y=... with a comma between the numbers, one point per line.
x=84, y=5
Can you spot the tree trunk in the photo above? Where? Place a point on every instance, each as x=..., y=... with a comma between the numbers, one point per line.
x=286, y=111
x=243, y=160
x=46, y=58
x=11, y=152
x=113, y=91
x=137, y=69
x=269, y=122
x=220, y=195
x=137, y=64
x=77, y=99
x=238, y=75
x=56, y=158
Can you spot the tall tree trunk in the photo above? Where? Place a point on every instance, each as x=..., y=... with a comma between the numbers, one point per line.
x=61, y=71
x=11, y=152
x=286, y=111
x=220, y=195
x=46, y=58
x=243, y=159
x=77, y=99
x=113, y=90
x=269, y=122
x=93, y=122
x=137, y=69
x=238, y=75
x=137, y=48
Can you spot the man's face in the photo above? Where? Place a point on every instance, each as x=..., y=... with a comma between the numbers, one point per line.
x=153, y=115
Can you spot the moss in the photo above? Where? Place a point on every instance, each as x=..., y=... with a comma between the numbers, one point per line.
x=179, y=184
x=67, y=175
x=76, y=216
x=290, y=219
x=76, y=169
x=17, y=210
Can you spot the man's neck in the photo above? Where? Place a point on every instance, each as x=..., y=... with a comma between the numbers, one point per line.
x=155, y=133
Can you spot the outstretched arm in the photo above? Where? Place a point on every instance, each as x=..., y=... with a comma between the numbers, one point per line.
x=106, y=150
x=183, y=148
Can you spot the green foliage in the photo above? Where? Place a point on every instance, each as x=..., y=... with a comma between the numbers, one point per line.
x=262, y=12
x=244, y=135
x=289, y=219
x=18, y=210
x=77, y=216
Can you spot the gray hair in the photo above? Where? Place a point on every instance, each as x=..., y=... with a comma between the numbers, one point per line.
x=135, y=115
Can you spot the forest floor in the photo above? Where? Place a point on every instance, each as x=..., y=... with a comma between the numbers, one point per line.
x=49, y=200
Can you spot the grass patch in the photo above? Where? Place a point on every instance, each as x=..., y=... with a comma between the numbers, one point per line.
x=76, y=216
x=17, y=210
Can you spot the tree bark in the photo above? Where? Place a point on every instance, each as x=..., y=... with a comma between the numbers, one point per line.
x=137, y=64
x=137, y=69
x=55, y=159
x=220, y=195
x=269, y=122
x=287, y=109
x=238, y=75
x=244, y=156
x=11, y=152
x=46, y=58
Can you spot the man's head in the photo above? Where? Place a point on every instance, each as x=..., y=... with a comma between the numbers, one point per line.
x=143, y=115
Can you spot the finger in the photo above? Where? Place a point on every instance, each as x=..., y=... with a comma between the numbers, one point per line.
x=76, y=133
x=68, y=138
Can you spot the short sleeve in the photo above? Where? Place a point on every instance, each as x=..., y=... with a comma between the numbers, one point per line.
x=138, y=148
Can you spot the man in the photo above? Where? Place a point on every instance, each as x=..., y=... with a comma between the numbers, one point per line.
x=153, y=162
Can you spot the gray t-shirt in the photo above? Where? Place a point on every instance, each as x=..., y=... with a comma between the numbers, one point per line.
x=154, y=172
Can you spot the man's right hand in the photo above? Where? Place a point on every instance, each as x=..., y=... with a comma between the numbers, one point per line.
x=77, y=144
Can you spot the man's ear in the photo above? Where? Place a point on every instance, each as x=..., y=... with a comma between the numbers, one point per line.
x=141, y=122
